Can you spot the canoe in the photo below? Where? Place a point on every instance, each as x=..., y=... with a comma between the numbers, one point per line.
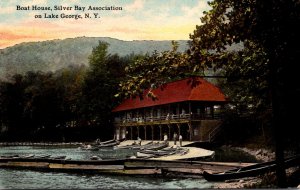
x=112, y=144
x=10, y=156
x=28, y=156
x=136, y=146
x=249, y=171
x=163, y=152
x=58, y=157
x=42, y=156
x=91, y=148
x=95, y=158
x=106, y=142
x=97, y=147
x=145, y=146
x=158, y=146
x=158, y=152
x=109, y=141
x=144, y=155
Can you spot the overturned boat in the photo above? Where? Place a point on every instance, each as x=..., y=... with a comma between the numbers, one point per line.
x=250, y=171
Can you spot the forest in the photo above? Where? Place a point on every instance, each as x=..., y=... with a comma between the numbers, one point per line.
x=69, y=104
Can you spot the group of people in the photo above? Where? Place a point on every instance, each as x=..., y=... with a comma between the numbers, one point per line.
x=175, y=138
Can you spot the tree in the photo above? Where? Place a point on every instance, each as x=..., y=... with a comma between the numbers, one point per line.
x=11, y=103
x=70, y=80
x=153, y=71
x=270, y=25
x=99, y=87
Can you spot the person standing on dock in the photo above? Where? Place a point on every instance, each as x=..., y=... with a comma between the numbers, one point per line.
x=165, y=138
x=180, y=140
x=139, y=141
x=175, y=138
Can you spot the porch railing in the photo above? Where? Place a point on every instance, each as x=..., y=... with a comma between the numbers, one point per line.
x=169, y=118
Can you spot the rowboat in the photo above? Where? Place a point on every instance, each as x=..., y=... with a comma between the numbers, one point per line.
x=249, y=171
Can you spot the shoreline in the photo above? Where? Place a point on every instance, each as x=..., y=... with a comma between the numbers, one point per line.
x=263, y=155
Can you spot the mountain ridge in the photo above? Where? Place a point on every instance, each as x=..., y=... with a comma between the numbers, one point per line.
x=52, y=55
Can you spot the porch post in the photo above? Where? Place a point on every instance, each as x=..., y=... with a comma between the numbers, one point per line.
x=178, y=126
x=152, y=130
x=160, y=131
x=190, y=130
x=190, y=111
x=145, y=130
x=169, y=131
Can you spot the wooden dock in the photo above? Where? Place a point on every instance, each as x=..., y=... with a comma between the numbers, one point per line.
x=192, y=153
x=121, y=167
x=166, y=165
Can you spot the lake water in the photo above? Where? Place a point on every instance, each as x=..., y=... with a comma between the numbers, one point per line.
x=27, y=179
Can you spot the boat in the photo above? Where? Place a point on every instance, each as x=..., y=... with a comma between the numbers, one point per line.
x=162, y=152
x=95, y=158
x=145, y=146
x=249, y=171
x=89, y=147
x=98, y=142
x=28, y=156
x=158, y=146
x=158, y=152
x=43, y=156
x=136, y=146
x=58, y=157
x=112, y=144
x=99, y=146
x=9, y=156
x=144, y=155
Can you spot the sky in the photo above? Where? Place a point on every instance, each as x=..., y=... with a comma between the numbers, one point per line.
x=135, y=19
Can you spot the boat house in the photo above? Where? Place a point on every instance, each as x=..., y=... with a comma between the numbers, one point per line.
x=190, y=107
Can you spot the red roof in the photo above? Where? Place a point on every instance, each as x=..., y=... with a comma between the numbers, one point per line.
x=196, y=89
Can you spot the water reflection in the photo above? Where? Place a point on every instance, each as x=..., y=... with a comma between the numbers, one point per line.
x=20, y=179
